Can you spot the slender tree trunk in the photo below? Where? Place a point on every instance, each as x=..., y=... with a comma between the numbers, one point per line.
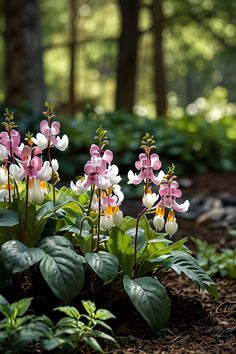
x=159, y=67
x=73, y=39
x=127, y=56
x=23, y=59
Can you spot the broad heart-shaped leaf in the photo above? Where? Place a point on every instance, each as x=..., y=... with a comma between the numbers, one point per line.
x=8, y=218
x=184, y=263
x=150, y=298
x=104, y=264
x=17, y=257
x=120, y=244
x=61, y=267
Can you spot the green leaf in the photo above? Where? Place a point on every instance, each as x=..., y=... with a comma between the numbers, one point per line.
x=104, y=264
x=20, y=307
x=182, y=262
x=141, y=239
x=31, y=332
x=93, y=343
x=61, y=267
x=120, y=245
x=17, y=257
x=150, y=298
x=5, y=307
x=89, y=306
x=69, y=310
x=8, y=218
x=48, y=242
x=103, y=314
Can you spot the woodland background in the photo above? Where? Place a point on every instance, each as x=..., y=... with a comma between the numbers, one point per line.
x=116, y=58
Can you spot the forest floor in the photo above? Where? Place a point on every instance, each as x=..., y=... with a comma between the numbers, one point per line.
x=199, y=323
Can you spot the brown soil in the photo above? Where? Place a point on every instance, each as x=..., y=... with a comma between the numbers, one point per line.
x=199, y=323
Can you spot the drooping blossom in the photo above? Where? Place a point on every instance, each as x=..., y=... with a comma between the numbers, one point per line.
x=37, y=191
x=31, y=165
x=147, y=165
x=10, y=144
x=149, y=199
x=48, y=136
x=5, y=186
x=168, y=193
x=171, y=225
x=98, y=171
x=158, y=220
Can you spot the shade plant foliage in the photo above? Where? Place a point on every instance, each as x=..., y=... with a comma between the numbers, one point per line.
x=77, y=237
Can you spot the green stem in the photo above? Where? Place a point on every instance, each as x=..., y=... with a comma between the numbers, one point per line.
x=26, y=211
x=88, y=211
x=99, y=217
x=8, y=183
x=136, y=241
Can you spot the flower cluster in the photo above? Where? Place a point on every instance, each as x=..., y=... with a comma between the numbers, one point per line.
x=168, y=192
x=24, y=162
x=101, y=177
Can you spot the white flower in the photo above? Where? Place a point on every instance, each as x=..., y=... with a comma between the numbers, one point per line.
x=158, y=222
x=45, y=173
x=16, y=173
x=55, y=165
x=112, y=174
x=78, y=187
x=41, y=141
x=37, y=191
x=149, y=199
x=118, y=192
x=106, y=222
x=3, y=152
x=3, y=175
x=171, y=227
x=62, y=143
x=117, y=218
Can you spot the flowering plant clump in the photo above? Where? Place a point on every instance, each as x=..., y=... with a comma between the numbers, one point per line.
x=78, y=237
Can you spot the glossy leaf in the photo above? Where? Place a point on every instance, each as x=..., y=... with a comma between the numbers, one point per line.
x=17, y=257
x=183, y=263
x=150, y=299
x=61, y=267
x=104, y=264
x=8, y=218
x=120, y=244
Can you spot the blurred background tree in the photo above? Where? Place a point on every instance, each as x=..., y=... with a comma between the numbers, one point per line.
x=120, y=62
x=133, y=55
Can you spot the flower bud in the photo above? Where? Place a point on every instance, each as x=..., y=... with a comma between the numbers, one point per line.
x=171, y=227
x=117, y=218
x=149, y=199
x=158, y=222
x=106, y=222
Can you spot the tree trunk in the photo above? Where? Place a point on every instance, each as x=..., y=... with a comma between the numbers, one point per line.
x=23, y=58
x=73, y=44
x=127, y=56
x=159, y=68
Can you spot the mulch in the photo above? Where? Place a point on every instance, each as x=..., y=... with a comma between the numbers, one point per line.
x=199, y=323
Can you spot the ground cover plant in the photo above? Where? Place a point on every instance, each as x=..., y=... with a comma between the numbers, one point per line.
x=76, y=240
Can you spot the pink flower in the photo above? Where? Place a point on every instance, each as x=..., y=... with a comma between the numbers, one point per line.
x=48, y=136
x=168, y=193
x=31, y=165
x=106, y=155
x=146, y=165
x=11, y=141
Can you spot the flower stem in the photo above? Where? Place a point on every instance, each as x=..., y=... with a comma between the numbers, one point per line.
x=26, y=211
x=99, y=217
x=136, y=241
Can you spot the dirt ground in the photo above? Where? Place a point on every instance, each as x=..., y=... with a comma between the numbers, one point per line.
x=199, y=323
